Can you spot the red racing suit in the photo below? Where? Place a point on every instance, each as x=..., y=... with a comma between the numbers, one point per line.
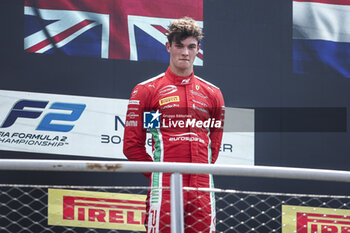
x=190, y=100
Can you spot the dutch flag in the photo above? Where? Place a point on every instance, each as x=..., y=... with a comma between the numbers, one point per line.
x=321, y=35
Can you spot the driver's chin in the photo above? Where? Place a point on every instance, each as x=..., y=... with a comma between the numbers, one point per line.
x=183, y=67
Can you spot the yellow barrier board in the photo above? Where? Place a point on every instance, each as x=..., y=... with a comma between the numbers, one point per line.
x=96, y=209
x=302, y=219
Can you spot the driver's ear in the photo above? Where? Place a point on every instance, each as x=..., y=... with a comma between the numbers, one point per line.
x=167, y=45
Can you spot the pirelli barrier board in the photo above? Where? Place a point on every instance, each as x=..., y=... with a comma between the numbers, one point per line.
x=302, y=219
x=96, y=209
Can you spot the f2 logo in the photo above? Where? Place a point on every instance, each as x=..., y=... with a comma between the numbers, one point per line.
x=46, y=124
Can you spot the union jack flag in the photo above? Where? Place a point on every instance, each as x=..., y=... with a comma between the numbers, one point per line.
x=112, y=29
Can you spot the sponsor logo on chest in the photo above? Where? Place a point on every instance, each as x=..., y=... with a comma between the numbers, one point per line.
x=169, y=89
x=169, y=99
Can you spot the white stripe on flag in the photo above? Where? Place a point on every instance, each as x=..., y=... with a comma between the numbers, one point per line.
x=319, y=21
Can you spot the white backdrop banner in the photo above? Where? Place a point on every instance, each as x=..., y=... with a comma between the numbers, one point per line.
x=94, y=127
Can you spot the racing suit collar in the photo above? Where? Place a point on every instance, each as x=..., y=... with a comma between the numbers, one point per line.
x=178, y=80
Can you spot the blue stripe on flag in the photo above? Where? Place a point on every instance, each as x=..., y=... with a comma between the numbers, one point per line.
x=308, y=55
x=32, y=24
x=87, y=44
x=148, y=48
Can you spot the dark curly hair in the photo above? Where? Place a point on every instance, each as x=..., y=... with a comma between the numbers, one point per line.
x=182, y=28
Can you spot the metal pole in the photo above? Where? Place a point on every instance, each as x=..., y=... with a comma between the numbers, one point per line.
x=184, y=168
x=177, y=208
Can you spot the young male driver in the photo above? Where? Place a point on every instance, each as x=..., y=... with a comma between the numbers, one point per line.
x=177, y=94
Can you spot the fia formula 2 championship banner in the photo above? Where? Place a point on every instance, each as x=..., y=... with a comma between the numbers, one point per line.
x=96, y=209
x=61, y=124
x=90, y=126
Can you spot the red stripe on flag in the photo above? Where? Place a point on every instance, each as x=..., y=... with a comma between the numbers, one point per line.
x=199, y=55
x=334, y=2
x=38, y=46
x=160, y=28
x=63, y=35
